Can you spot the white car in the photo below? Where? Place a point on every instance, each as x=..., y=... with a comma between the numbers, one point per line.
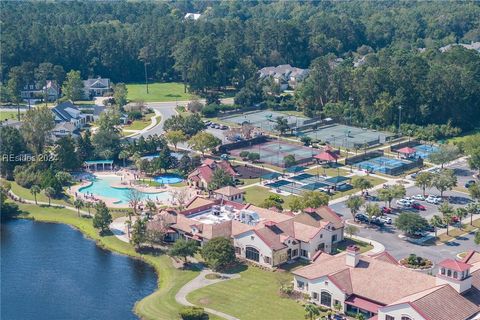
x=386, y=220
x=433, y=199
x=418, y=197
x=404, y=203
x=407, y=198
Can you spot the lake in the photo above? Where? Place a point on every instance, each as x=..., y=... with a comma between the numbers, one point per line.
x=51, y=271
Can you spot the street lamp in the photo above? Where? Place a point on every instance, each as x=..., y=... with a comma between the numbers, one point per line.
x=399, y=117
x=350, y=109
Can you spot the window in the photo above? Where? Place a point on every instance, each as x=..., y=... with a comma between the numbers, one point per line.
x=406, y=318
x=455, y=274
x=334, y=238
x=252, y=238
x=443, y=271
x=449, y=273
x=295, y=252
x=238, y=250
x=267, y=259
x=300, y=284
x=321, y=236
x=252, y=254
x=388, y=317
x=326, y=299
x=304, y=253
x=315, y=296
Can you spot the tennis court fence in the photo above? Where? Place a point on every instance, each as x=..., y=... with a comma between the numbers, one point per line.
x=364, y=156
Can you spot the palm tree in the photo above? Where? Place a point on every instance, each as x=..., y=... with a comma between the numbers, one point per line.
x=78, y=203
x=436, y=222
x=152, y=208
x=311, y=311
x=49, y=192
x=123, y=155
x=461, y=213
x=354, y=203
x=360, y=316
x=447, y=211
x=88, y=205
x=424, y=181
x=373, y=210
x=35, y=190
x=471, y=209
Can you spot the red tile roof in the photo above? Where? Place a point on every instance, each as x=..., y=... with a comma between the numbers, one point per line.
x=326, y=156
x=362, y=303
x=455, y=265
x=406, y=150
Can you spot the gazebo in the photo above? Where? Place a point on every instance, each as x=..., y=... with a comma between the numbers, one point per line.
x=327, y=156
x=407, y=151
x=95, y=164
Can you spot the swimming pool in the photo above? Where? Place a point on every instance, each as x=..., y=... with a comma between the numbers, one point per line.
x=101, y=186
x=168, y=178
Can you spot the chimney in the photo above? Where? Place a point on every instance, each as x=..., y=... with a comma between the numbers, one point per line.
x=353, y=256
x=455, y=273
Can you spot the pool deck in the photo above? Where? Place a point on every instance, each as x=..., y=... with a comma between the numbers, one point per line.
x=128, y=180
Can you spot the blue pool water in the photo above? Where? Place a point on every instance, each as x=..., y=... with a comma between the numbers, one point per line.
x=101, y=186
x=168, y=178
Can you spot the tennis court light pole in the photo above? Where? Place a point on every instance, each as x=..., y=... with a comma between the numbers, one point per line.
x=399, y=117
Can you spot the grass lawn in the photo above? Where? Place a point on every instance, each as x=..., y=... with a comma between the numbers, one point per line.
x=247, y=182
x=256, y=194
x=25, y=194
x=142, y=123
x=12, y=115
x=464, y=136
x=374, y=180
x=331, y=172
x=342, y=246
x=158, y=92
x=456, y=232
x=255, y=295
x=159, y=305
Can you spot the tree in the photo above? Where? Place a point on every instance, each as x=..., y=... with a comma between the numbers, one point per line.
x=477, y=238
x=253, y=156
x=175, y=137
x=102, y=217
x=134, y=198
x=360, y=316
x=444, y=154
x=123, y=155
x=183, y=249
x=88, y=205
x=311, y=311
x=50, y=192
x=139, y=233
x=73, y=86
x=351, y=230
x=281, y=125
x=15, y=85
x=410, y=223
x=444, y=180
x=34, y=190
x=423, y=180
x=273, y=201
x=472, y=208
x=314, y=199
x=392, y=192
x=436, y=222
x=373, y=210
x=218, y=253
x=37, y=124
x=244, y=154
x=84, y=147
x=289, y=160
x=120, y=94
x=361, y=183
x=474, y=191
x=220, y=178
x=203, y=141
x=193, y=313
x=354, y=203
x=151, y=207
x=180, y=196
x=12, y=143
x=65, y=155
x=78, y=203
x=447, y=213
x=306, y=140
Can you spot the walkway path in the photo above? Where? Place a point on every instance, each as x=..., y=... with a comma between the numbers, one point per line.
x=199, y=282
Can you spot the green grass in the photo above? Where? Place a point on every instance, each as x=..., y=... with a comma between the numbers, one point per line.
x=247, y=182
x=25, y=194
x=331, y=172
x=159, y=305
x=455, y=232
x=256, y=194
x=142, y=123
x=464, y=136
x=255, y=295
x=12, y=115
x=158, y=92
x=342, y=246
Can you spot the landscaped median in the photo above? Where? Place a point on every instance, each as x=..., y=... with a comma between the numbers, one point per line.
x=457, y=232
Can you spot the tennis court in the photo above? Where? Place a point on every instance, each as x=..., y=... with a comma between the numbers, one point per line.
x=265, y=120
x=424, y=150
x=273, y=152
x=340, y=135
x=382, y=164
x=288, y=186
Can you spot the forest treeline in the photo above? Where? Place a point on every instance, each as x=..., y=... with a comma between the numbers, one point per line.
x=233, y=39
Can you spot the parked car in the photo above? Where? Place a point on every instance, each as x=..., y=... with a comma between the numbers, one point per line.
x=377, y=221
x=470, y=183
x=433, y=199
x=372, y=198
x=223, y=127
x=418, y=197
x=386, y=210
x=455, y=219
x=207, y=122
x=403, y=203
x=407, y=198
x=430, y=228
x=361, y=217
x=418, y=206
x=386, y=220
x=414, y=176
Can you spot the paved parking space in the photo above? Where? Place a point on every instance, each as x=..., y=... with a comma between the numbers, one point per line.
x=463, y=173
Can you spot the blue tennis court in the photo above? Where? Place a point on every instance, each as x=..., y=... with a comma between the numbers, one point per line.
x=278, y=184
x=382, y=164
x=302, y=176
x=424, y=150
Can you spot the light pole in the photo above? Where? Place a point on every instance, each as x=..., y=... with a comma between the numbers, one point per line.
x=399, y=117
x=350, y=109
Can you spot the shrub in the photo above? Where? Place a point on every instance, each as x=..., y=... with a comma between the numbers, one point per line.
x=244, y=154
x=218, y=253
x=134, y=115
x=193, y=313
x=253, y=157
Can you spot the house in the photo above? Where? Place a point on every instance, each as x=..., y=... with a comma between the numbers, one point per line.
x=68, y=112
x=229, y=193
x=96, y=87
x=380, y=288
x=284, y=75
x=192, y=16
x=259, y=235
x=35, y=91
x=63, y=129
x=202, y=176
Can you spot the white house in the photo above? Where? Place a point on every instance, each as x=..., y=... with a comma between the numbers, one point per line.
x=68, y=112
x=96, y=87
x=36, y=92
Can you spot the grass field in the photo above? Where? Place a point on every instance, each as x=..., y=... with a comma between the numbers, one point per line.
x=158, y=92
x=256, y=194
x=364, y=247
x=255, y=295
x=159, y=305
x=464, y=136
x=5, y=115
x=142, y=123
x=25, y=194
x=456, y=232
x=331, y=172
